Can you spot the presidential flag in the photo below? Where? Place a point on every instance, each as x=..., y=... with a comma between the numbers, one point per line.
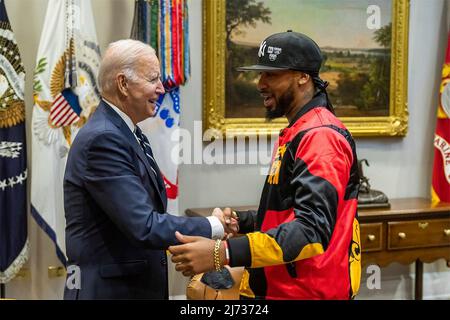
x=441, y=167
x=13, y=157
x=65, y=95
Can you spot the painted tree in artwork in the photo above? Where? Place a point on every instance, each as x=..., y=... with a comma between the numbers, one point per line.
x=366, y=86
x=384, y=35
x=375, y=93
x=241, y=17
x=244, y=14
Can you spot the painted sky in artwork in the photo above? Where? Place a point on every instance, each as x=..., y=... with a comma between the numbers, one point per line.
x=332, y=23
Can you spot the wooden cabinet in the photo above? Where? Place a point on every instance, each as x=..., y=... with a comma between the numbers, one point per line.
x=371, y=237
x=412, y=230
x=418, y=234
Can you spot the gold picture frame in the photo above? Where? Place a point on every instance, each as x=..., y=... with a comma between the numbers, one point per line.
x=214, y=68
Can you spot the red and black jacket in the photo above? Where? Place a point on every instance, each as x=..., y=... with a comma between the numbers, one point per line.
x=303, y=243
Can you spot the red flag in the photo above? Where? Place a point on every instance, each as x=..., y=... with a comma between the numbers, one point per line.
x=441, y=168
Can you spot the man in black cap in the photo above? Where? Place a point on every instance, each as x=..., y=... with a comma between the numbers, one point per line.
x=303, y=242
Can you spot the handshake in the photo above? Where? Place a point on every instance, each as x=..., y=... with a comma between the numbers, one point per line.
x=229, y=220
x=195, y=255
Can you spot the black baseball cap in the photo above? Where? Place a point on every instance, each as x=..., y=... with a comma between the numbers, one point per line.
x=288, y=51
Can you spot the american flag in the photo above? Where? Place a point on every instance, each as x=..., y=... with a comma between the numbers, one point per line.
x=65, y=109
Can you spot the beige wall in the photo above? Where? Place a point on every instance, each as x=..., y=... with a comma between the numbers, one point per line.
x=399, y=166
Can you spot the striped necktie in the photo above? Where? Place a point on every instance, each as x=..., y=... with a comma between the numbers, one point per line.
x=145, y=145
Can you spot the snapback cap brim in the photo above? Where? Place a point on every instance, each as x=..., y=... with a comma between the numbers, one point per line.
x=260, y=67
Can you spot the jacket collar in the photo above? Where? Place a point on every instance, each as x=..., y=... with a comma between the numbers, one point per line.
x=319, y=100
x=122, y=115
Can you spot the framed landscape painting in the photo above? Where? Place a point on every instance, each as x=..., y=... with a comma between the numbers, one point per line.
x=365, y=48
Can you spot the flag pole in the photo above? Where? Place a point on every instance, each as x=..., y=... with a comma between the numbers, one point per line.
x=2, y=291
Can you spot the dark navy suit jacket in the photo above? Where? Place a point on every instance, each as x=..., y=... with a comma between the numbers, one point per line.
x=117, y=228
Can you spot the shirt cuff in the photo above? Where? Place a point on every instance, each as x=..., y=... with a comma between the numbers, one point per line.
x=217, y=231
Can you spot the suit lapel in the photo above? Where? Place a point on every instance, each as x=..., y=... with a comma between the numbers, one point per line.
x=117, y=120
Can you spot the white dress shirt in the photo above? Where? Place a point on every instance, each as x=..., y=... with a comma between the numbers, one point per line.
x=217, y=230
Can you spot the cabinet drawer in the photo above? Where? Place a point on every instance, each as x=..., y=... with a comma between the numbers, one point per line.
x=371, y=237
x=418, y=233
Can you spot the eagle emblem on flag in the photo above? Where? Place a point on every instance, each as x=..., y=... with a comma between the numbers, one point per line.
x=69, y=106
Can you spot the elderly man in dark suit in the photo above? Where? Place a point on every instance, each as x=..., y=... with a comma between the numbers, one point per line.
x=114, y=195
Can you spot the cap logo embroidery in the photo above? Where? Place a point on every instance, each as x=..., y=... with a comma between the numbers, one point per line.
x=273, y=53
x=262, y=48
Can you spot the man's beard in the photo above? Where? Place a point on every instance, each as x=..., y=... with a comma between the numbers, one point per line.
x=281, y=105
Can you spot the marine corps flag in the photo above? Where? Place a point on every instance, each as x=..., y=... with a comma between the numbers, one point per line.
x=13, y=157
x=441, y=169
x=65, y=95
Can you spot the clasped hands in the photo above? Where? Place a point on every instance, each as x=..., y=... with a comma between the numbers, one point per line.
x=196, y=254
x=229, y=222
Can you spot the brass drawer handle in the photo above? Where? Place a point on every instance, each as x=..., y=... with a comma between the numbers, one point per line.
x=371, y=237
x=447, y=232
x=423, y=225
x=402, y=235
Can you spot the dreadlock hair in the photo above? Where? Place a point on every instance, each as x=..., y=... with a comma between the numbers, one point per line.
x=321, y=86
